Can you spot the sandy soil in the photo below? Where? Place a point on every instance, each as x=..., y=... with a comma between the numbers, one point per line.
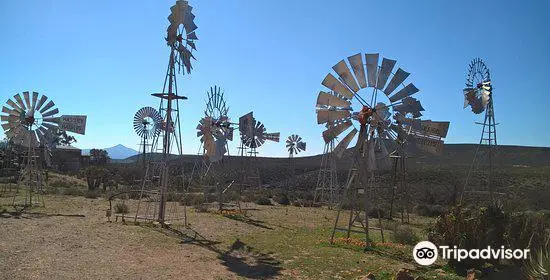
x=61, y=247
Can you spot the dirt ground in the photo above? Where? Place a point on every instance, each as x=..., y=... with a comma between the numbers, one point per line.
x=66, y=247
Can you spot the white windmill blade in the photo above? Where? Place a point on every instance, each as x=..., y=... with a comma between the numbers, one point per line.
x=356, y=62
x=331, y=100
x=326, y=115
x=384, y=73
x=332, y=132
x=371, y=59
x=343, y=145
x=333, y=84
x=343, y=71
x=395, y=81
x=408, y=90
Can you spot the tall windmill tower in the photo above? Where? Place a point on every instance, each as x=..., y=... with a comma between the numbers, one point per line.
x=327, y=187
x=388, y=118
x=33, y=123
x=181, y=40
x=478, y=94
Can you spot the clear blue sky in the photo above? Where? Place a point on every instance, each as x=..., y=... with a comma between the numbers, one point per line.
x=103, y=59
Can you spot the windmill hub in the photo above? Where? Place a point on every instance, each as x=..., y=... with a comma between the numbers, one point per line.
x=29, y=120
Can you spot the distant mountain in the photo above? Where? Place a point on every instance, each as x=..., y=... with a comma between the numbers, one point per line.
x=117, y=152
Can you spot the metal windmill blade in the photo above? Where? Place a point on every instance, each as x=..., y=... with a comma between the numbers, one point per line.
x=27, y=121
x=216, y=106
x=294, y=145
x=383, y=135
x=478, y=91
x=213, y=137
x=181, y=40
x=147, y=123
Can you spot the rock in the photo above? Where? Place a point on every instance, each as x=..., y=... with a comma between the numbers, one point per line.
x=473, y=274
x=5, y=215
x=403, y=274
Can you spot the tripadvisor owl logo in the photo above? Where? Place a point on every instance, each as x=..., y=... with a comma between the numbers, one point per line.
x=425, y=253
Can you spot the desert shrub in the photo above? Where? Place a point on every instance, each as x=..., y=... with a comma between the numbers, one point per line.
x=264, y=200
x=493, y=226
x=174, y=196
x=60, y=183
x=201, y=208
x=405, y=235
x=375, y=211
x=73, y=191
x=92, y=194
x=192, y=199
x=282, y=199
x=121, y=208
x=428, y=210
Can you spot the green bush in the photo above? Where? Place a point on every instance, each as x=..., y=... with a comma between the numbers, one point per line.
x=121, y=208
x=73, y=191
x=92, y=194
x=282, y=199
x=264, y=200
x=428, y=210
x=375, y=211
x=405, y=235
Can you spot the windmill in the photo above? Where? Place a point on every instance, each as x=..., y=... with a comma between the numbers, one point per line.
x=253, y=135
x=294, y=145
x=478, y=94
x=33, y=122
x=386, y=129
x=214, y=129
x=180, y=37
x=147, y=125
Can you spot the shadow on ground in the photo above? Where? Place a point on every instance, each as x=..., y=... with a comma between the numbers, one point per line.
x=248, y=220
x=239, y=258
x=246, y=262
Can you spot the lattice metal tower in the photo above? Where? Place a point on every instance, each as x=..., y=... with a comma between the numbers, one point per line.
x=478, y=94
